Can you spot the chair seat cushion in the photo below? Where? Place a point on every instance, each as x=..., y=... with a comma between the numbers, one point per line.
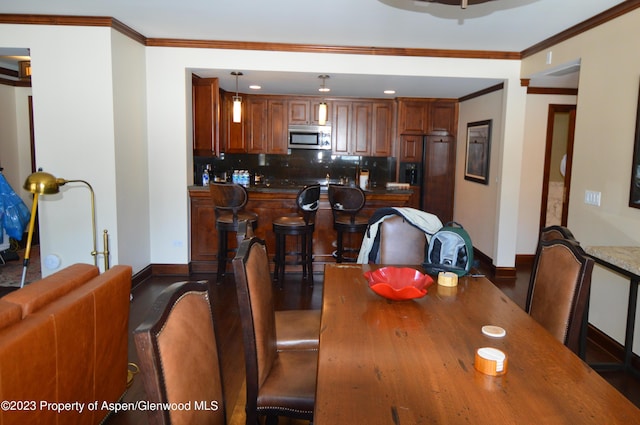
x=297, y=329
x=343, y=219
x=227, y=218
x=293, y=393
x=294, y=221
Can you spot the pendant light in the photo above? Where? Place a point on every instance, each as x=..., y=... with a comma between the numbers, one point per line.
x=237, y=101
x=322, y=109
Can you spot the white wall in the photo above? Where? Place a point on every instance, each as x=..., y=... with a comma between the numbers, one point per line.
x=131, y=174
x=476, y=204
x=605, y=125
x=74, y=131
x=15, y=149
x=535, y=136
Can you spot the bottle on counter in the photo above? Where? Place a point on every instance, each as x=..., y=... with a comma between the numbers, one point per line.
x=205, y=176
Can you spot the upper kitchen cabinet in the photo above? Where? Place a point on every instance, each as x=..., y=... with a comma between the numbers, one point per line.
x=444, y=116
x=233, y=134
x=362, y=127
x=206, y=116
x=422, y=116
x=304, y=111
x=413, y=116
x=383, y=126
x=266, y=125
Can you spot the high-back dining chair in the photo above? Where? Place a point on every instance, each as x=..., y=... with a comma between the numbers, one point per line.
x=401, y=242
x=178, y=354
x=559, y=290
x=556, y=232
x=279, y=383
x=229, y=201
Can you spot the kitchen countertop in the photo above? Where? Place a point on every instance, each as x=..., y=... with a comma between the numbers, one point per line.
x=293, y=188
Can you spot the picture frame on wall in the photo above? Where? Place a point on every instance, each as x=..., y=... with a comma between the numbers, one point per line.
x=478, y=151
x=634, y=192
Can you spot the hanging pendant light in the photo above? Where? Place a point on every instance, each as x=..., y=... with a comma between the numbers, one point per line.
x=322, y=109
x=237, y=101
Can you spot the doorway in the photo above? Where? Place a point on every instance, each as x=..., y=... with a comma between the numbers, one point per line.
x=557, y=165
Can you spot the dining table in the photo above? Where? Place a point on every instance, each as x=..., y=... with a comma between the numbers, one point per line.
x=413, y=362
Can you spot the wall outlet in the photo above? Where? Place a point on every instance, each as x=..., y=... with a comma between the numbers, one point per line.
x=592, y=198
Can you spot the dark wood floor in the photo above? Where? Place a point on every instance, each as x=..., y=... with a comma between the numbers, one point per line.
x=295, y=295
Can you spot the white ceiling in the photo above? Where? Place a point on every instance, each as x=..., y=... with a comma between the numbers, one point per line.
x=499, y=25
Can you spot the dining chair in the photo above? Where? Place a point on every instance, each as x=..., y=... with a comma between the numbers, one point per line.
x=401, y=243
x=556, y=232
x=178, y=355
x=559, y=289
x=301, y=225
x=278, y=383
x=346, y=203
x=229, y=201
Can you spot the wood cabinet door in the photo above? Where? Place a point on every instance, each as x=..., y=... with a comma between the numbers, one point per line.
x=360, y=143
x=341, y=127
x=278, y=127
x=444, y=116
x=206, y=116
x=299, y=111
x=411, y=148
x=256, y=123
x=439, y=176
x=413, y=116
x=382, y=129
x=234, y=137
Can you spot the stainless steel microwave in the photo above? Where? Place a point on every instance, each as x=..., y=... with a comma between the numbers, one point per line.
x=309, y=137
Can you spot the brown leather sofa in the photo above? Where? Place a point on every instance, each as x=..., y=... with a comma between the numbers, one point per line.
x=63, y=339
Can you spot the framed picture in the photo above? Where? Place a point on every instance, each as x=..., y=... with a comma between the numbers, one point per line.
x=634, y=195
x=478, y=151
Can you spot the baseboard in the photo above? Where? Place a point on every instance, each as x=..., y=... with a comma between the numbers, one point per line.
x=610, y=346
x=486, y=263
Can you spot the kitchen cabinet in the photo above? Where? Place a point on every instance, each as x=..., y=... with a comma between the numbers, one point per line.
x=206, y=116
x=382, y=130
x=413, y=116
x=278, y=132
x=362, y=128
x=305, y=111
x=256, y=124
x=266, y=125
x=411, y=148
x=444, y=116
x=233, y=133
x=439, y=175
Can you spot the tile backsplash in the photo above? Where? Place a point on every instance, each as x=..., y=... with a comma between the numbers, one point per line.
x=299, y=167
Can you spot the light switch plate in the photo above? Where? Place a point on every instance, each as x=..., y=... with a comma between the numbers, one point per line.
x=592, y=197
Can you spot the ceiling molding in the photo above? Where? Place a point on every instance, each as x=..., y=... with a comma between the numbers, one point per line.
x=552, y=90
x=313, y=48
x=604, y=17
x=488, y=90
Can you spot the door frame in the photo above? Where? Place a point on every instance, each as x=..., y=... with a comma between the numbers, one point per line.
x=553, y=109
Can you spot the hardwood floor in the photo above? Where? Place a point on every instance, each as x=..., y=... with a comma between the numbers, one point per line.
x=295, y=295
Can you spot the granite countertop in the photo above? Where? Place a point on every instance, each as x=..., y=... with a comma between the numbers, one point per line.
x=625, y=257
x=293, y=188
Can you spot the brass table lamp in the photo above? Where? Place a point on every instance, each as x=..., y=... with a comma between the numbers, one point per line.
x=41, y=183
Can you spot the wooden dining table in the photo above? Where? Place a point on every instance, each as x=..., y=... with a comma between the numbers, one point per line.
x=412, y=362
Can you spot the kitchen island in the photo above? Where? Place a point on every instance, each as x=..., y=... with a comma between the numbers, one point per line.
x=270, y=202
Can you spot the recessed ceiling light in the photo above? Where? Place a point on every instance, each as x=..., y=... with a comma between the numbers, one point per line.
x=255, y=87
x=389, y=92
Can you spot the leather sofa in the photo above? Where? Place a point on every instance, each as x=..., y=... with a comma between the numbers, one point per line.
x=63, y=339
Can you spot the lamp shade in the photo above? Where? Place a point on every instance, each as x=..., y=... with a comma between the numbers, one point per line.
x=237, y=109
x=322, y=114
x=42, y=183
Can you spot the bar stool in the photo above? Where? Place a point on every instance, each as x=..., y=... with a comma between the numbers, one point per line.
x=229, y=200
x=303, y=225
x=346, y=203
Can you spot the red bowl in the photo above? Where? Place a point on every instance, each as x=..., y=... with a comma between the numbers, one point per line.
x=398, y=283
